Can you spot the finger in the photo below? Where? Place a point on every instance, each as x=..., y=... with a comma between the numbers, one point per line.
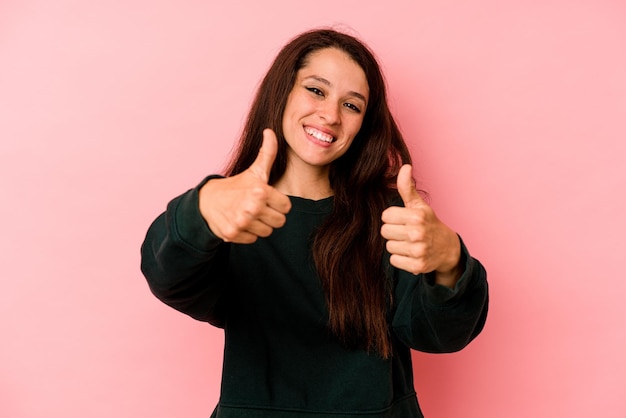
x=417, y=251
x=412, y=265
x=259, y=229
x=229, y=231
x=262, y=166
x=400, y=232
x=278, y=201
x=272, y=218
x=406, y=187
x=242, y=237
x=396, y=215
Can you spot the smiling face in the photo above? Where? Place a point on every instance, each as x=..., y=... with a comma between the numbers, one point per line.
x=324, y=110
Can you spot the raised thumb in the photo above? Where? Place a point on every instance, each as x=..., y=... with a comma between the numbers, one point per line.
x=406, y=188
x=262, y=166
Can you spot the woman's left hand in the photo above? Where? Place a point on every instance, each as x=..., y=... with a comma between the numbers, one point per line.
x=416, y=239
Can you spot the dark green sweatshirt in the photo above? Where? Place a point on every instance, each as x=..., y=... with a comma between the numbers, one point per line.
x=280, y=359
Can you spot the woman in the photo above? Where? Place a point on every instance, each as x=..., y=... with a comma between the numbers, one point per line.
x=315, y=252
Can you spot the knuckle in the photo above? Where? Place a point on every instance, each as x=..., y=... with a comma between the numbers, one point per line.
x=259, y=192
x=252, y=208
x=416, y=252
x=415, y=234
x=229, y=233
x=415, y=237
x=240, y=222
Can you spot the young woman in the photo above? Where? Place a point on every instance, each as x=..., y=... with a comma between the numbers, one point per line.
x=315, y=253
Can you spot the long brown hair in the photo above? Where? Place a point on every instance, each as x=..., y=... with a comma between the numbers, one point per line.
x=348, y=248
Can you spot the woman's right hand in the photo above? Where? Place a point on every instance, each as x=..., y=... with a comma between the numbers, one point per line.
x=244, y=207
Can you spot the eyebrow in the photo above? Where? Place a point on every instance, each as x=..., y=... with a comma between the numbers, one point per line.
x=328, y=83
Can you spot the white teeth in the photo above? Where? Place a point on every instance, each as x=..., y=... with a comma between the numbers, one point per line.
x=318, y=135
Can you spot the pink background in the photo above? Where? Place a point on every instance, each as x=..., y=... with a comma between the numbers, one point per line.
x=515, y=112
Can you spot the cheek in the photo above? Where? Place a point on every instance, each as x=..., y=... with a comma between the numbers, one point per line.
x=296, y=108
x=288, y=113
x=354, y=126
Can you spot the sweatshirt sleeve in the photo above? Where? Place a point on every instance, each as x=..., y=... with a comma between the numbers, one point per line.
x=436, y=319
x=184, y=263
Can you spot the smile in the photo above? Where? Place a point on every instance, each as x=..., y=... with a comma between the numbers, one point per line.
x=324, y=137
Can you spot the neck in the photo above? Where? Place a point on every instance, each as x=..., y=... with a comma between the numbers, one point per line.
x=312, y=184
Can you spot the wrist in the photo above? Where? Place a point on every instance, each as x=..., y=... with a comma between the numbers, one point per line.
x=451, y=270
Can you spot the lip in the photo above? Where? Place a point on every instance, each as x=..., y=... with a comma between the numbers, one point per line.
x=322, y=130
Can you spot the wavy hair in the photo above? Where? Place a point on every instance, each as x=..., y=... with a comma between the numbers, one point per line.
x=348, y=248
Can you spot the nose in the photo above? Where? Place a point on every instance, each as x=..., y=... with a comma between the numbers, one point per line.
x=329, y=112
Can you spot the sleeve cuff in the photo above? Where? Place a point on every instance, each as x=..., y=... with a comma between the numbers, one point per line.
x=438, y=294
x=189, y=224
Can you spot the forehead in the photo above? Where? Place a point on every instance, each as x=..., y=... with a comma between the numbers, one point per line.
x=337, y=67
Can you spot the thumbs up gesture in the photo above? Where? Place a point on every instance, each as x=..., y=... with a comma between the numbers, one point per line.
x=244, y=207
x=416, y=239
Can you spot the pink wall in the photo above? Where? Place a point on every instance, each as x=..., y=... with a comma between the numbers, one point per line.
x=516, y=113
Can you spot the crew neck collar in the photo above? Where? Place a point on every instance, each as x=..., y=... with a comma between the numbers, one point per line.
x=302, y=204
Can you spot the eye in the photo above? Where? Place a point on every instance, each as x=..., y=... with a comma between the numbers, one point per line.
x=352, y=107
x=315, y=91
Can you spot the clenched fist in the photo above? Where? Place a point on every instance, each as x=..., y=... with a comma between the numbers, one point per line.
x=416, y=239
x=244, y=207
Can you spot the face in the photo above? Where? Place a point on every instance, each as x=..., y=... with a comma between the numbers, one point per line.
x=324, y=110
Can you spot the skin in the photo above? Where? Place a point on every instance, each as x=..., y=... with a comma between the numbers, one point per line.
x=417, y=240
x=327, y=100
x=244, y=207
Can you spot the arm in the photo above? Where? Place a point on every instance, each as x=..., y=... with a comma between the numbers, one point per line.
x=184, y=263
x=434, y=318
x=185, y=253
x=441, y=291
